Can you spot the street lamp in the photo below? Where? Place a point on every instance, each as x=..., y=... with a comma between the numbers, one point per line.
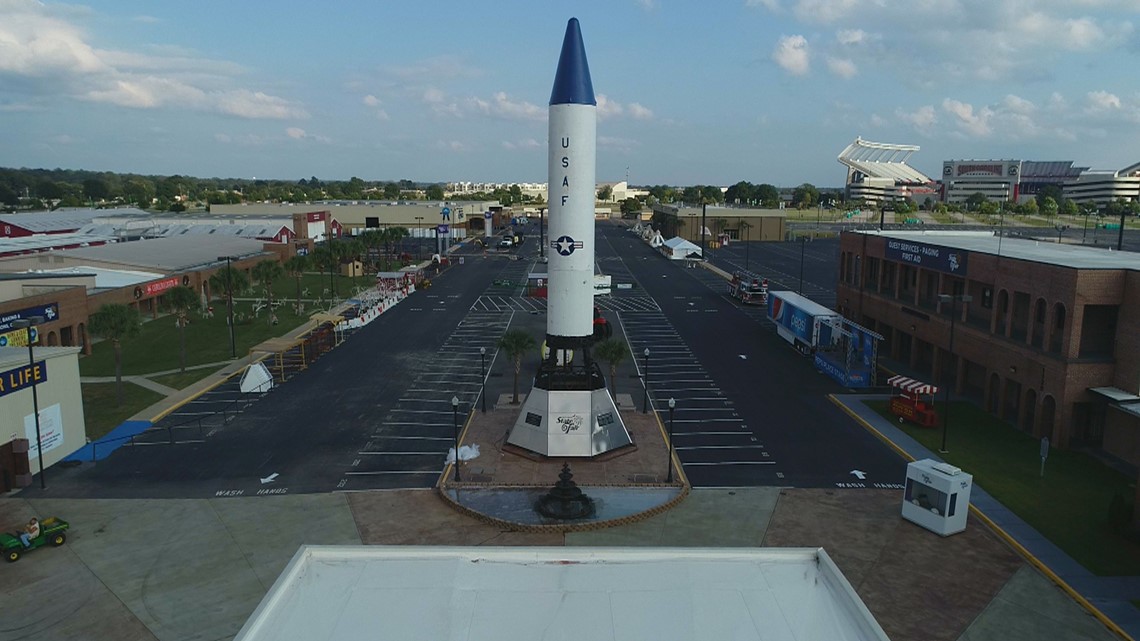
x=419, y=238
x=230, y=302
x=669, y=461
x=953, y=300
x=483, y=370
x=645, y=397
x=746, y=228
x=455, y=424
x=803, y=247
x=28, y=324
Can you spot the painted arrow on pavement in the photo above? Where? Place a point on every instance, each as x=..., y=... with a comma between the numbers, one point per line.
x=269, y=479
x=859, y=474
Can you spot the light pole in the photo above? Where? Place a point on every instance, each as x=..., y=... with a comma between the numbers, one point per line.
x=953, y=300
x=746, y=228
x=704, y=210
x=669, y=461
x=419, y=238
x=645, y=397
x=483, y=370
x=455, y=424
x=28, y=324
x=803, y=247
x=230, y=302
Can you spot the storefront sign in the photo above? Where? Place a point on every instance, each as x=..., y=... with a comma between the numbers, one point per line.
x=17, y=379
x=942, y=259
x=51, y=431
x=49, y=312
x=159, y=286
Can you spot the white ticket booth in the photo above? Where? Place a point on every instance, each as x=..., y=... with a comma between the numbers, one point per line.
x=937, y=496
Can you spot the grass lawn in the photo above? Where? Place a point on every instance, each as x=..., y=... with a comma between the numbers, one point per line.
x=101, y=414
x=207, y=340
x=1069, y=506
x=183, y=380
x=317, y=285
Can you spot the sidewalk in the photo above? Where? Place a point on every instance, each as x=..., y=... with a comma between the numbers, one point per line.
x=1110, y=595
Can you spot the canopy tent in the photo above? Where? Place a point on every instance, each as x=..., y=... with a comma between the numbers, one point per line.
x=912, y=386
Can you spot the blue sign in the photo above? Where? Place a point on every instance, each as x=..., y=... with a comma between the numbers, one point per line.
x=446, y=213
x=487, y=215
x=441, y=230
x=49, y=313
x=20, y=338
x=24, y=376
x=942, y=259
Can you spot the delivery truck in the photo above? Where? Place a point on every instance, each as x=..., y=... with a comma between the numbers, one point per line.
x=801, y=321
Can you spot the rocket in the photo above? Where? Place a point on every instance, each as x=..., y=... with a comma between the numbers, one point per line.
x=569, y=410
x=572, y=159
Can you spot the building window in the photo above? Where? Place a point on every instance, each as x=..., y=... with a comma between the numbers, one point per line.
x=988, y=297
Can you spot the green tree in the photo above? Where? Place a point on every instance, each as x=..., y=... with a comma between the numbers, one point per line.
x=711, y=194
x=295, y=266
x=115, y=322
x=630, y=207
x=768, y=195
x=612, y=352
x=1049, y=191
x=1029, y=208
x=391, y=191
x=182, y=300
x=95, y=189
x=975, y=200
x=1069, y=208
x=605, y=193
x=266, y=273
x=742, y=193
x=435, y=192
x=1049, y=207
x=515, y=343
x=806, y=195
x=229, y=281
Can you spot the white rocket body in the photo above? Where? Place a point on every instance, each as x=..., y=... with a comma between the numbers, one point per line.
x=572, y=164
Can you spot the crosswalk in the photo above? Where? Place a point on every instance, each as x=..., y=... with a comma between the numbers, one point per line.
x=408, y=447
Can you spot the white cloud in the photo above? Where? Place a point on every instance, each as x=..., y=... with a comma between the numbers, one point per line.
x=372, y=101
x=375, y=104
x=607, y=107
x=147, y=19
x=502, y=106
x=842, y=67
x=1099, y=101
x=823, y=10
x=614, y=143
x=792, y=55
x=648, y=5
x=849, y=37
x=878, y=121
x=1019, y=105
x=295, y=132
x=770, y=5
x=529, y=143
x=450, y=145
x=639, y=112
x=40, y=45
x=922, y=119
x=967, y=120
x=223, y=138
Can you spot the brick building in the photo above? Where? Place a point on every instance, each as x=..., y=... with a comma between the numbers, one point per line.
x=1050, y=340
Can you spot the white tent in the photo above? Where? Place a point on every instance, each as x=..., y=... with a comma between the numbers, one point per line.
x=678, y=248
x=256, y=379
x=656, y=240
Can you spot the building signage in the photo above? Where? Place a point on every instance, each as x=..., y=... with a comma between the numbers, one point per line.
x=942, y=259
x=19, y=337
x=441, y=230
x=51, y=431
x=159, y=286
x=49, y=312
x=22, y=377
x=979, y=169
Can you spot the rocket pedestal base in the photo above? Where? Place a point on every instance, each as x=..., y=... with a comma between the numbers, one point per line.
x=575, y=422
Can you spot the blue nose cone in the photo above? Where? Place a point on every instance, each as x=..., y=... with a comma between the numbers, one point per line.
x=572, y=84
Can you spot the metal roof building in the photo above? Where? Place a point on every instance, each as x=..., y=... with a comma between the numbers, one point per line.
x=163, y=255
x=54, y=222
x=667, y=594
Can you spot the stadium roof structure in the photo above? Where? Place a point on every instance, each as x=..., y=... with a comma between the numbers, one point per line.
x=1031, y=169
x=435, y=593
x=882, y=160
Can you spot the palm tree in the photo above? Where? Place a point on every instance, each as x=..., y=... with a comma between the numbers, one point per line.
x=267, y=272
x=229, y=281
x=114, y=322
x=393, y=235
x=181, y=301
x=295, y=266
x=611, y=351
x=515, y=343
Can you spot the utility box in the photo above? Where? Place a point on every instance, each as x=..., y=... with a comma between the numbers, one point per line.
x=937, y=496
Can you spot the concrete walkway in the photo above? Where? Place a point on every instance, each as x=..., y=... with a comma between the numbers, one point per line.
x=1110, y=595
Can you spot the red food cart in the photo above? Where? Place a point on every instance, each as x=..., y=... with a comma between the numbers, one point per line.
x=914, y=401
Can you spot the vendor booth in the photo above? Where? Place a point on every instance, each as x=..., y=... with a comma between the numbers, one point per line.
x=937, y=496
x=913, y=401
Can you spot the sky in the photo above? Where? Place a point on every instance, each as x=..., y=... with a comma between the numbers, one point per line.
x=688, y=92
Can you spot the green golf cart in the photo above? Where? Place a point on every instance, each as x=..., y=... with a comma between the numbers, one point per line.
x=51, y=532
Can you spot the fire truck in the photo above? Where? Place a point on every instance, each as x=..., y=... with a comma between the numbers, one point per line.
x=749, y=288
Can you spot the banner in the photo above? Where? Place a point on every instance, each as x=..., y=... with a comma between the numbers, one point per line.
x=51, y=431
x=17, y=379
x=943, y=259
x=19, y=337
x=49, y=312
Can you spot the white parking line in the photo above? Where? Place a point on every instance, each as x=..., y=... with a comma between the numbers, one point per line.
x=686, y=464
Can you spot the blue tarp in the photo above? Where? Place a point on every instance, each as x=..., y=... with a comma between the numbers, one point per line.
x=113, y=440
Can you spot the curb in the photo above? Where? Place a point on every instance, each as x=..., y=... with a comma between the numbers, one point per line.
x=997, y=529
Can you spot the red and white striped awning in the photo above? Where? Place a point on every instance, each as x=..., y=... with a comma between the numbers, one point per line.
x=911, y=385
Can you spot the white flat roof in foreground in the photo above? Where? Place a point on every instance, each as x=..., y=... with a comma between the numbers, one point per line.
x=502, y=594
